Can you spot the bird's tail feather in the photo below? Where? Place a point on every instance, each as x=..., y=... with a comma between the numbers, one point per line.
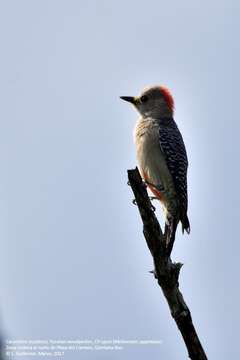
x=170, y=231
x=185, y=223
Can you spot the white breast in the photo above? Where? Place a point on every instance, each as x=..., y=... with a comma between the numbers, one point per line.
x=148, y=150
x=150, y=158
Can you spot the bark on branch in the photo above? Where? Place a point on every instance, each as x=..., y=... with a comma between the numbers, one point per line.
x=167, y=272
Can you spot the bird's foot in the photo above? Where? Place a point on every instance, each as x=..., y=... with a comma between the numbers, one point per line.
x=158, y=187
x=152, y=198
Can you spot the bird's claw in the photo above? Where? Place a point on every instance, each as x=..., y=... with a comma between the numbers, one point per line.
x=134, y=201
x=153, y=198
x=153, y=208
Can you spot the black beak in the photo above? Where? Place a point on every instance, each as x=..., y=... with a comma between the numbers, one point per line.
x=130, y=99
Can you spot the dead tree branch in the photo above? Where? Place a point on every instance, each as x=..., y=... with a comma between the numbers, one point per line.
x=167, y=272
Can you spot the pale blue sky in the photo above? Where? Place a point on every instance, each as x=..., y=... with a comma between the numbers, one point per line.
x=73, y=261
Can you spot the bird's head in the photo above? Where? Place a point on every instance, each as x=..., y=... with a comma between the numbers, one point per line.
x=155, y=102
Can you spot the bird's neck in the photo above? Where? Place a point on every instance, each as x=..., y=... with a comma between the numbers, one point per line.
x=163, y=112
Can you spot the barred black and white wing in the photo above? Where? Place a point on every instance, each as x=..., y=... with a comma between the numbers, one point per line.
x=173, y=148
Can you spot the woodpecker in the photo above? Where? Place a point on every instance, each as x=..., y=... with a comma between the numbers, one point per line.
x=161, y=155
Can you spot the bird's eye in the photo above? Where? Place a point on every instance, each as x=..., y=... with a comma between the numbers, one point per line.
x=143, y=98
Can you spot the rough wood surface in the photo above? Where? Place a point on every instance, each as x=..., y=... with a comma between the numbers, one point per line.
x=167, y=272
